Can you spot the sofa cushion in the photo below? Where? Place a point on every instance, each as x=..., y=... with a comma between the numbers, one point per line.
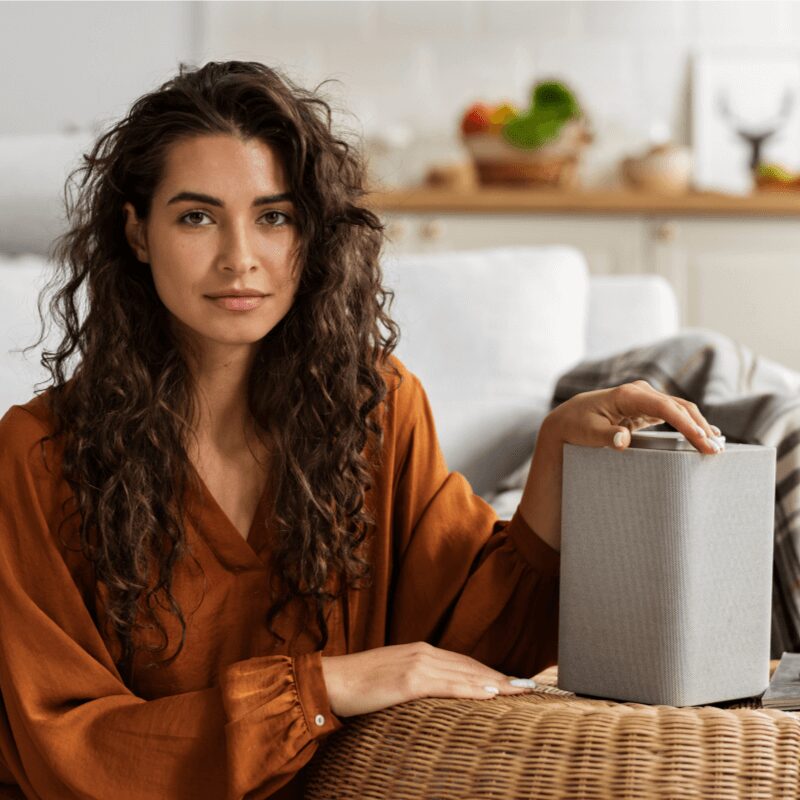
x=627, y=311
x=488, y=332
x=34, y=169
x=21, y=279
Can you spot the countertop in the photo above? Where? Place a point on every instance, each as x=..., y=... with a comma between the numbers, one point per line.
x=591, y=201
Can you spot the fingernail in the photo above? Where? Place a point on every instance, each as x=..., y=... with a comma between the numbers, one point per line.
x=714, y=446
x=492, y=689
x=619, y=439
x=717, y=431
x=700, y=430
x=523, y=683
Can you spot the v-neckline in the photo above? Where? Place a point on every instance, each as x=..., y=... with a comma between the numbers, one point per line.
x=230, y=547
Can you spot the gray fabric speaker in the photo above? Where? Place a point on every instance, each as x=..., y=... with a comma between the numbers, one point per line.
x=666, y=571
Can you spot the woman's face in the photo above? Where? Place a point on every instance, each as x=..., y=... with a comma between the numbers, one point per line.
x=220, y=222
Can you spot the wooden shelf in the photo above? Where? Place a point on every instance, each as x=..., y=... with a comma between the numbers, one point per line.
x=599, y=201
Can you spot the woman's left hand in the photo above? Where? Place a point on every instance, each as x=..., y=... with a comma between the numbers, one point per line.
x=600, y=418
x=606, y=417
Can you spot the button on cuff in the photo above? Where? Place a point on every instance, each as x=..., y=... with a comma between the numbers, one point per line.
x=313, y=695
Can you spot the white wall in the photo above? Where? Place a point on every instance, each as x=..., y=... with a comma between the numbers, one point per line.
x=423, y=63
x=67, y=65
x=414, y=62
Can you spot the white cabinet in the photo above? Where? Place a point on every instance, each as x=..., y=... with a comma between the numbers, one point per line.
x=611, y=244
x=736, y=275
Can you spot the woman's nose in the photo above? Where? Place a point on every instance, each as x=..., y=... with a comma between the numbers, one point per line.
x=239, y=252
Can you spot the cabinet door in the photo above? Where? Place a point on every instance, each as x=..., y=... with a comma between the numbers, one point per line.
x=740, y=277
x=610, y=244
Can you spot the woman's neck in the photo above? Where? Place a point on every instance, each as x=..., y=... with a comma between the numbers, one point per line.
x=223, y=421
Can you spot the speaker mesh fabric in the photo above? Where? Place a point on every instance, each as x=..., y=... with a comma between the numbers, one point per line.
x=666, y=573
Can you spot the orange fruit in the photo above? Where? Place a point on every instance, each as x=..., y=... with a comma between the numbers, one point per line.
x=476, y=119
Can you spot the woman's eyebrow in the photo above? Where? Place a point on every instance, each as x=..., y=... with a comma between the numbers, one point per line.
x=198, y=197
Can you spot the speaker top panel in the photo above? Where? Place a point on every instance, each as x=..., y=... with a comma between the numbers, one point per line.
x=666, y=440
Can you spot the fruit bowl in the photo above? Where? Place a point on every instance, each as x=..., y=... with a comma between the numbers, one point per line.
x=540, y=146
x=772, y=185
x=775, y=178
x=553, y=164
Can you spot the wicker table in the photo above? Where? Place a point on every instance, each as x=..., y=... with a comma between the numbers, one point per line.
x=553, y=744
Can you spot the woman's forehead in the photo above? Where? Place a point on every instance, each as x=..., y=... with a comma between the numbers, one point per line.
x=223, y=165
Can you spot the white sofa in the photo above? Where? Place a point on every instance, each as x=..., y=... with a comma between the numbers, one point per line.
x=487, y=331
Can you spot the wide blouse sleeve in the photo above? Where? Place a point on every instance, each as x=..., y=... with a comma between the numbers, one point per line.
x=70, y=727
x=465, y=580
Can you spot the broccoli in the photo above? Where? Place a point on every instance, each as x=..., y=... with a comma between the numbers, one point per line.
x=552, y=105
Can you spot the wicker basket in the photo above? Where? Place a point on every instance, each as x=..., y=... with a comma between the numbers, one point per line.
x=553, y=164
x=763, y=184
x=551, y=744
x=561, y=172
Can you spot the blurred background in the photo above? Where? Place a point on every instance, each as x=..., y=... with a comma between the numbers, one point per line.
x=560, y=181
x=654, y=136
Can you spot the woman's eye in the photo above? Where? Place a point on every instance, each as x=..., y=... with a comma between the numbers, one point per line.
x=186, y=218
x=286, y=218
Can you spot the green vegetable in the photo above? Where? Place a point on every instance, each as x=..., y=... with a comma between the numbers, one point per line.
x=774, y=172
x=552, y=105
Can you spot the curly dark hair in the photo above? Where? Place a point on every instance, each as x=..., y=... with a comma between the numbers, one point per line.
x=317, y=382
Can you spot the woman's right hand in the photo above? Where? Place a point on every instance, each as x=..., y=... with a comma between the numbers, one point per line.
x=360, y=683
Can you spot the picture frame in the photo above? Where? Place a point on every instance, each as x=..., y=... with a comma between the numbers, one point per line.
x=745, y=110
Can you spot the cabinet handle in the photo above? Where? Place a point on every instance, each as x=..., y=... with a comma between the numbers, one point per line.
x=433, y=229
x=665, y=232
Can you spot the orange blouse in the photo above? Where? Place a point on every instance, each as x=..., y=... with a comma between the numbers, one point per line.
x=238, y=714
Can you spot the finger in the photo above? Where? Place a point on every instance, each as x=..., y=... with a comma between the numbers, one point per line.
x=427, y=675
x=469, y=668
x=473, y=670
x=462, y=690
x=633, y=400
x=703, y=430
x=620, y=434
x=709, y=430
x=438, y=682
x=502, y=682
x=620, y=437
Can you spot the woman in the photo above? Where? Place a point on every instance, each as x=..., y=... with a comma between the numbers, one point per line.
x=232, y=527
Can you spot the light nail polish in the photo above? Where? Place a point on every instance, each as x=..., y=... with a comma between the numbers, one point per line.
x=523, y=683
x=700, y=430
x=492, y=689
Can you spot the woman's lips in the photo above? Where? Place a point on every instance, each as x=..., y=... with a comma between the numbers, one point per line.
x=240, y=303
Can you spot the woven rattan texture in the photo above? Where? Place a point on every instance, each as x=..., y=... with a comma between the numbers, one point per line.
x=552, y=744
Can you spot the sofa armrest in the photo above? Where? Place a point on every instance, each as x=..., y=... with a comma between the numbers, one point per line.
x=627, y=311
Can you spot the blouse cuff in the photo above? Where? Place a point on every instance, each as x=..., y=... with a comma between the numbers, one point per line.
x=313, y=694
x=545, y=559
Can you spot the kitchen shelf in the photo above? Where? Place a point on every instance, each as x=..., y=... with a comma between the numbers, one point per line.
x=598, y=201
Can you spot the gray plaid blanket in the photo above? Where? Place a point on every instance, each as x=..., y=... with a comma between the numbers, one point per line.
x=752, y=400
